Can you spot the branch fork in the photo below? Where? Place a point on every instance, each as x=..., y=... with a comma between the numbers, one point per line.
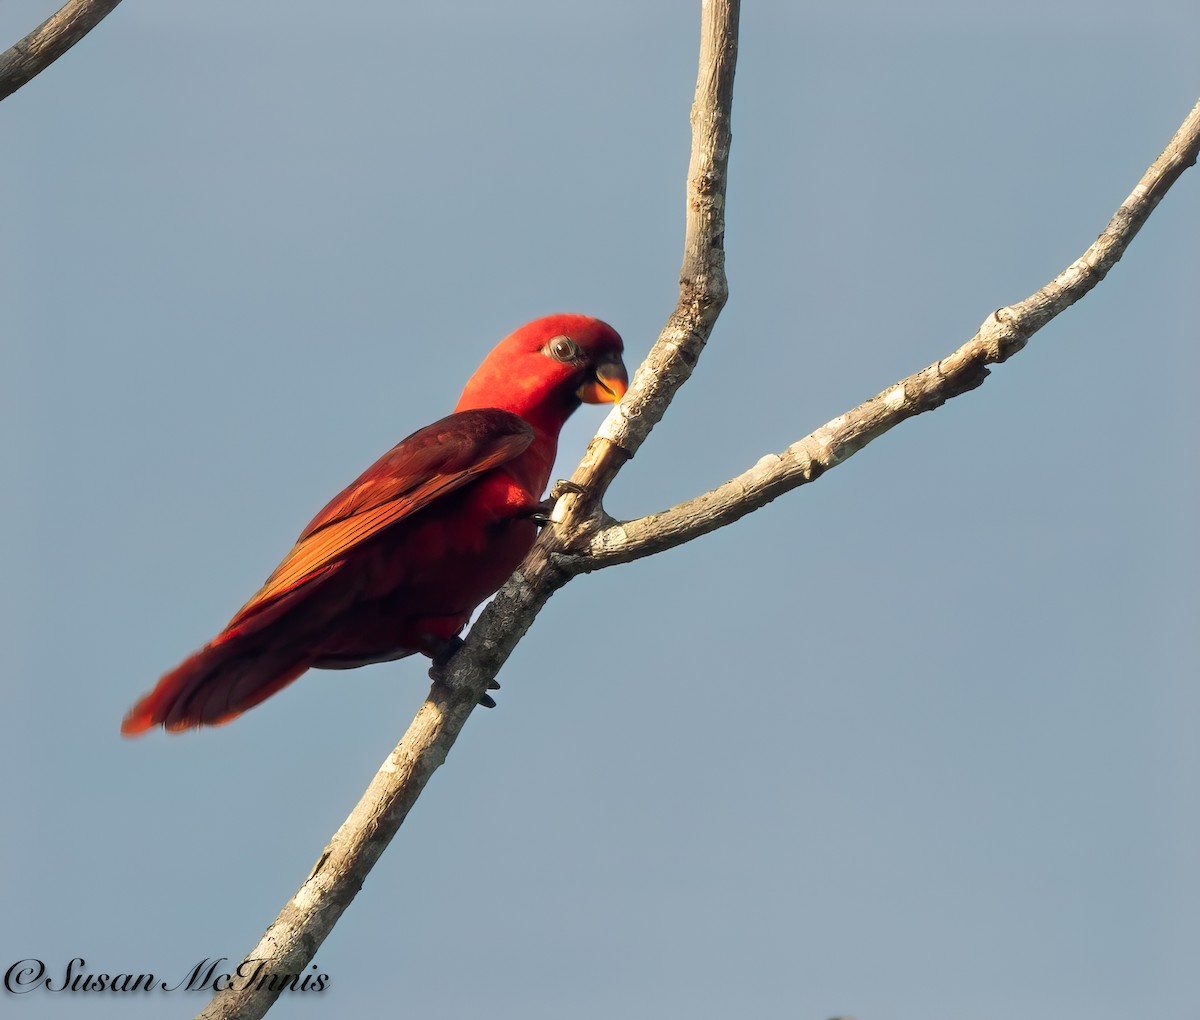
x=582, y=537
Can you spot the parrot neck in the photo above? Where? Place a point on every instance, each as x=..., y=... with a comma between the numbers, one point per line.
x=545, y=407
x=546, y=412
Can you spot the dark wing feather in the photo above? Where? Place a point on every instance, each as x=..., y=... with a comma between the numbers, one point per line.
x=429, y=464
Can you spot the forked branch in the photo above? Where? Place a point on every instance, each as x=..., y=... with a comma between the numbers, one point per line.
x=583, y=539
x=307, y=918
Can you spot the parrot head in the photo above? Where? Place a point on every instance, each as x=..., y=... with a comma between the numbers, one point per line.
x=547, y=368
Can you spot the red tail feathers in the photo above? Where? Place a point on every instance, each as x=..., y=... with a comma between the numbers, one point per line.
x=217, y=684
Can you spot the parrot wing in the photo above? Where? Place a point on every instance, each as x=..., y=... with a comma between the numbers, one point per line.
x=414, y=474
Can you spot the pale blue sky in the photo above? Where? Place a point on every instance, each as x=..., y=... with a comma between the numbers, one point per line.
x=918, y=741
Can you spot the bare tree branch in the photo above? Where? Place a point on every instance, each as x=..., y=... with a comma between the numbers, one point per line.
x=292, y=940
x=584, y=539
x=49, y=41
x=1003, y=334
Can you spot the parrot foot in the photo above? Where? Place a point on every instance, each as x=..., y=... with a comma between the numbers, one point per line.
x=437, y=670
x=540, y=515
x=442, y=653
x=563, y=486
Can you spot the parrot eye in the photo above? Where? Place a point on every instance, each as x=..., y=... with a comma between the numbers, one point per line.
x=562, y=348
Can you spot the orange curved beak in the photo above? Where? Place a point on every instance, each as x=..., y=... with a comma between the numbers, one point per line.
x=607, y=385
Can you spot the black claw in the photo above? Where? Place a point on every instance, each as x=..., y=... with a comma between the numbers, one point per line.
x=487, y=701
x=493, y=685
x=540, y=513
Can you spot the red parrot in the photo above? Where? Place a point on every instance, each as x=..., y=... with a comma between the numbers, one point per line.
x=397, y=562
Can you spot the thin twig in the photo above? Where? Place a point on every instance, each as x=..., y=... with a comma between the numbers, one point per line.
x=1003, y=334
x=49, y=41
x=294, y=937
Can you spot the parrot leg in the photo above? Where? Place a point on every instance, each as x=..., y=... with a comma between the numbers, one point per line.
x=437, y=670
x=540, y=515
